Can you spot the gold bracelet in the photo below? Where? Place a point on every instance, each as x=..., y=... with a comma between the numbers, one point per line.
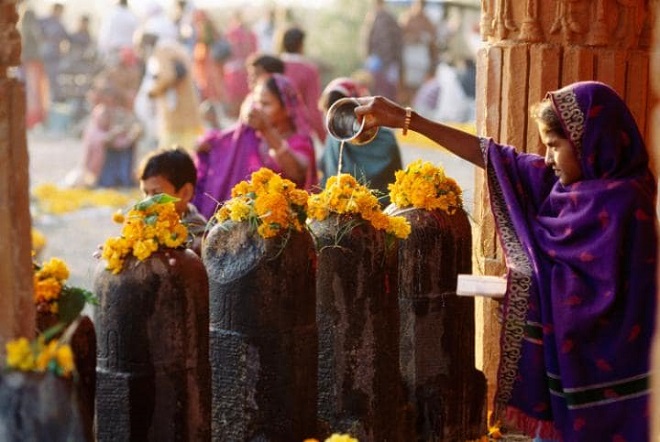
x=406, y=121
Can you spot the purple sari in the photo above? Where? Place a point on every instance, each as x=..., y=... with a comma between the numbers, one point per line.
x=240, y=150
x=580, y=304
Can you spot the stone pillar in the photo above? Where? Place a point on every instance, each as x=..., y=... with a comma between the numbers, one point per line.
x=654, y=118
x=16, y=305
x=533, y=46
x=445, y=393
x=360, y=386
x=263, y=334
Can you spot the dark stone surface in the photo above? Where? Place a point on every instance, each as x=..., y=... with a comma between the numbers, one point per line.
x=446, y=394
x=360, y=389
x=153, y=373
x=83, y=345
x=263, y=335
x=39, y=407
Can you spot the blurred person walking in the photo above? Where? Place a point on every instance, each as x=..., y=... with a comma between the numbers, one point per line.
x=117, y=29
x=54, y=36
x=420, y=50
x=207, y=64
x=382, y=44
x=243, y=43
x=33, y=73
x=304, y=74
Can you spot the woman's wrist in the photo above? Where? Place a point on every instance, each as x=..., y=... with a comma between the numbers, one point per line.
x=406, y=120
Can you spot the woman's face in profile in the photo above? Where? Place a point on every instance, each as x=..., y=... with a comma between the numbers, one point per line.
x=560, y=155
x=273, y=110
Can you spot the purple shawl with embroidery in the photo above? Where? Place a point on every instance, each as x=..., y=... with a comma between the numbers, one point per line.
x=238, y=151
x=580, y=304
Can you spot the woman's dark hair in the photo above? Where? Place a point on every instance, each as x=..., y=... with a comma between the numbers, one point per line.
x=175, y=165
x=292, y=40
x=269, y=63
x=329, y=99
x=544, y=112
x=271, y=85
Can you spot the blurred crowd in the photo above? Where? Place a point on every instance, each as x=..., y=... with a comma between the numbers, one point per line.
x=184, y=77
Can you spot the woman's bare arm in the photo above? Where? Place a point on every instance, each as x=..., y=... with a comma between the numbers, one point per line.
x=379, y=111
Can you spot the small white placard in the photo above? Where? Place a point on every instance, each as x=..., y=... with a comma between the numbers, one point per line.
x=481, y=285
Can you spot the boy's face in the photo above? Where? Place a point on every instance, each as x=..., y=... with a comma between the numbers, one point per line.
x=158, y=184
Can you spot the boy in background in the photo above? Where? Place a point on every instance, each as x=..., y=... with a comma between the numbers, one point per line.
x=173, y=172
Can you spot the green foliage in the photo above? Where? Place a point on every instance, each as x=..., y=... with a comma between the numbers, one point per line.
x=72, y=301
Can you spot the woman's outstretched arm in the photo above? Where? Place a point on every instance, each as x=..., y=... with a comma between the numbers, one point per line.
x=380, y=111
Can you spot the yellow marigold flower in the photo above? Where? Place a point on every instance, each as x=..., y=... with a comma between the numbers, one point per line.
x=151, y=223
x=142, y=249
x=425, y=186
x=342, y=195
x=55, y=268
x=64, y=357
x=268, y=202
x=241, y=188
x=118, y=217
x=239, y=209
x=399, y=227
x=45, y=354
x=20, y=355
x=46, y=290
x=38, y=240
x=55, y=357
x=341, y=438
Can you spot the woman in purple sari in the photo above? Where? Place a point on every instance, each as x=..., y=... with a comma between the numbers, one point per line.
x=578, y=229
x=275, y=134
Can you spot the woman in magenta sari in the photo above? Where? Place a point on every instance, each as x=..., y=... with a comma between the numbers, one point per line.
x=578, y=229
x=275, y=134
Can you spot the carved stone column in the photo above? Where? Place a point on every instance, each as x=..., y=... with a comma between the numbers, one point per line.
x=16, y=306
x=533, y=46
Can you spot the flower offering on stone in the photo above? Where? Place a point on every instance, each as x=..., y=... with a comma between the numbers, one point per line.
x=269, y=203
x=53, y=295
x=423, y=185
x=40, y=356
x=344, y=195
x=151, y=224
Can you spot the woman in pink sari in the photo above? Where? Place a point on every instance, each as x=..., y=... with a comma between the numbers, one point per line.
x=243, y=43
x=275, y=134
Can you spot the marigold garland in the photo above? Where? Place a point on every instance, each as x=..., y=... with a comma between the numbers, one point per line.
x=344, y=195
x=40, y=356
x=425, y=186
x=270, y=203
x=150, y=224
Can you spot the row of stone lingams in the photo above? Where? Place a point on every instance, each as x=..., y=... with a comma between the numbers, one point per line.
x=334, y=331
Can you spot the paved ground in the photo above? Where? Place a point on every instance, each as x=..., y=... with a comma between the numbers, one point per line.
x=74, y=236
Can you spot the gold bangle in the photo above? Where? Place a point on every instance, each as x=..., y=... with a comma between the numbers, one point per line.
x=406, y=121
